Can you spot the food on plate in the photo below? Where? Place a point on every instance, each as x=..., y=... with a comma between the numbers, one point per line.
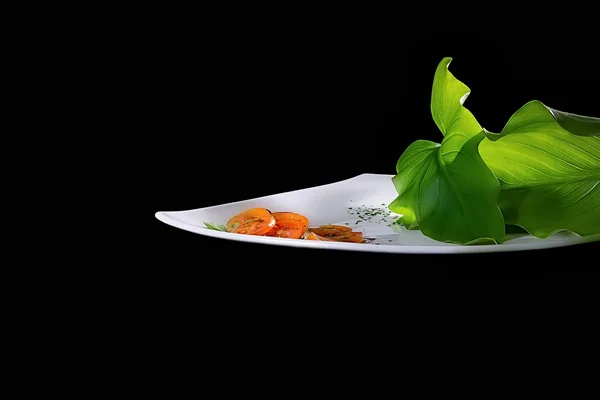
x=255, y=221
x=337, y=233
x=288, y=225
x=261, y=221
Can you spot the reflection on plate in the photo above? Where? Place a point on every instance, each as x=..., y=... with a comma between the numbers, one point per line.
x=361, y=203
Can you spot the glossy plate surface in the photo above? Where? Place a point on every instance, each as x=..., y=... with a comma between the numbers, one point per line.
x=361, y=203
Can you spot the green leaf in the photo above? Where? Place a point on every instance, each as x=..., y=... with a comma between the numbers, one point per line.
x=535, y=112
x=447, y=98
x=548, y=164
x=580, y=125
x=216, y=227
x=447, y=190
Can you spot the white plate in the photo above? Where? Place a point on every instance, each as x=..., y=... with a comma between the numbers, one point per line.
x=361, y=203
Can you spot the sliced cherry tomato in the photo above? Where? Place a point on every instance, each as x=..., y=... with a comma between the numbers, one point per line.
x=286, y=215
x=335, y=233
x=289, y=225
x=255, y=221
x=314, y=236
x=290, y=229
x=331, y=230
x=354, y=237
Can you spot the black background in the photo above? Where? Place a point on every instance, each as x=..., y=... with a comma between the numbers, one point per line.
x=235, y=114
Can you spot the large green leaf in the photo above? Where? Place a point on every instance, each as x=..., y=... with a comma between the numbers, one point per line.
x=448, y=95
x=548, y=164
x=580, y=125
x=447, y=190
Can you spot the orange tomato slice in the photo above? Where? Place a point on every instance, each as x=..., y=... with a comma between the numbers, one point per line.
x=255, y=221
x=314, y=236
x=354, y=237
x=331, y=230
x=286, y=215
x=335, y=233
x=289, y=225
x=290, y=229
x=342, y=228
